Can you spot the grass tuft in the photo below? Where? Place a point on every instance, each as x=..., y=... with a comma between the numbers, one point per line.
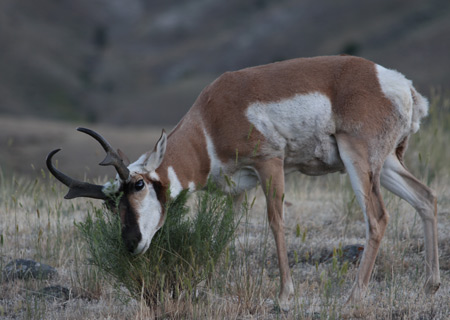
x=183, y=253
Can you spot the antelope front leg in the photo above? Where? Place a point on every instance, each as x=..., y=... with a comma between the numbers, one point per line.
x=271, y=174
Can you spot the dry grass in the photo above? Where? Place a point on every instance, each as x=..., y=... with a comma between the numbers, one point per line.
x=36, y=223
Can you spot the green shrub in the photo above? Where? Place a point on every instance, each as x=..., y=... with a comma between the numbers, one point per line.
x=183, y=252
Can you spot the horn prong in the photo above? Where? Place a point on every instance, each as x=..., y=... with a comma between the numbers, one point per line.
x=112, y=157
x=108, y=161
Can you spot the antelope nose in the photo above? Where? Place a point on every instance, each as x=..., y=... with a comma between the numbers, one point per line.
x=131, y=240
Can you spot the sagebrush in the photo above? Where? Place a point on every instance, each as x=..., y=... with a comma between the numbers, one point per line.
x=182, y=254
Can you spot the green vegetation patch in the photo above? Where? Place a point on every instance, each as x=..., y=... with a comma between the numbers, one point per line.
x=183, y=253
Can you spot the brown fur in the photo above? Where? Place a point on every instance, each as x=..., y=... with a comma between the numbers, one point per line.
x=194, y=165
x=369, y=131
x=368, y=127
x=401, y=148
x=350, y=83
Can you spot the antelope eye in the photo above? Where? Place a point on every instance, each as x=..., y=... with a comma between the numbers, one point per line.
x=139, y=185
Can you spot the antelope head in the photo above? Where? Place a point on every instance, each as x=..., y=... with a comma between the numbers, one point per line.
x=142, y=196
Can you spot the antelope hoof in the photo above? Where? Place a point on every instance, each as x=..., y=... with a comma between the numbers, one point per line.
x=284, y=297
x=284, y=305
x=356, y=295
x=431, y=288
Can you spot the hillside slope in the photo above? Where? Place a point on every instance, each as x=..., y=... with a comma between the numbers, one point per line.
x=144, y=62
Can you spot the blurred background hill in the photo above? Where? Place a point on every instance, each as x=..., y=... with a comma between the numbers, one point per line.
x=143, y=62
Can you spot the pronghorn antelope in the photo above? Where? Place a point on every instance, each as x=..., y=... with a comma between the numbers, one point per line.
x=313, y=115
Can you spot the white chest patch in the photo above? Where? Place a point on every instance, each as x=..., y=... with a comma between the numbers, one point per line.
x=298, y=129
x=215, y=164
x=233, y=182
x=175, y=184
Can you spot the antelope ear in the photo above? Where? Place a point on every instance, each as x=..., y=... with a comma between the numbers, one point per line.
x=156, y=157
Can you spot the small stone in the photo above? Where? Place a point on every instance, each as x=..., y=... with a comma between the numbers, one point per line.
x=27, y=269
x=351, y=253
x=56, y=292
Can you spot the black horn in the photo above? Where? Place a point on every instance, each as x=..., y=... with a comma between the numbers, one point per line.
x=76, y=188
x=112, y=157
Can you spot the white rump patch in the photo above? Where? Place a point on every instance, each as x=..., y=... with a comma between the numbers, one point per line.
x=396, y=88
x=420, y=109
x=191, y=186
x=400, y=91
x=175, y=184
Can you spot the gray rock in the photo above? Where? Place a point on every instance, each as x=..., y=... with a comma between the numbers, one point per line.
x=56, y=292
x=351, y=253
x=27, y=269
